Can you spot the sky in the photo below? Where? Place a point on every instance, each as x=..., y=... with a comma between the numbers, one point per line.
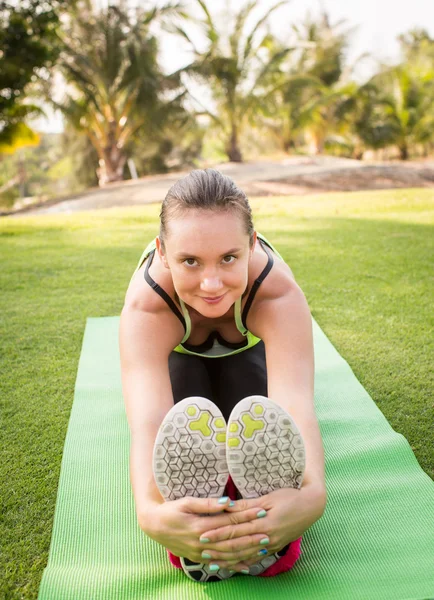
x=377, y=23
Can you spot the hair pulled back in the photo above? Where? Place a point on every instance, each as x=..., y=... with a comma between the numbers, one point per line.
x=205, y=189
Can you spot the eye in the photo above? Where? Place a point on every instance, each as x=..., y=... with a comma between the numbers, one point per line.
x=189, y=264
x=229, y=256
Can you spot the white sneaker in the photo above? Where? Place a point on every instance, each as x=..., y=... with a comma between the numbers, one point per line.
x=265, y=452
x=190, y=460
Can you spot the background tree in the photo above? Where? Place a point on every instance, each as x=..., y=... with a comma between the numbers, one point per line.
x=405, y=104
x=115, y=90
x=310, y=84
x=233, y=68
x=28, y=46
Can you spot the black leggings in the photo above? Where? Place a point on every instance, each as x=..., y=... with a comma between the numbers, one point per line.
x=225, y=380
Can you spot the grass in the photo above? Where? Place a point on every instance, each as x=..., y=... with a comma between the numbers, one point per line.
x=364, y=261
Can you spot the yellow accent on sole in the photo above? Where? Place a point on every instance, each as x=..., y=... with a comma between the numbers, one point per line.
x=191, y=411
x=219, y=423
x=233, y=442
x=202, y=424
x=221, y=437
x=251, y=425
x=258, y=409
x=233, y=427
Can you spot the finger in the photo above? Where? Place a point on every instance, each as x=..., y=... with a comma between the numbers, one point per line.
x=250, y=526
x=245, y=564
x=204, y=506
x=227, y=520
x=246, y=504
x=255, y=551
x=237, y=564
x=237, y=546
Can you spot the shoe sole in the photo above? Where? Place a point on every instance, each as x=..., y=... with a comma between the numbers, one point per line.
x=265, y=452
x=189, y=459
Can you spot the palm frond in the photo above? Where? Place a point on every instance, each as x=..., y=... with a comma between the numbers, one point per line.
x=249, y=42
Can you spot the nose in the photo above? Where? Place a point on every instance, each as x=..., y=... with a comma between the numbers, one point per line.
x=211, y=285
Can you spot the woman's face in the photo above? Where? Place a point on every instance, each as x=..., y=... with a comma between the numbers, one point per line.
x=208, y=254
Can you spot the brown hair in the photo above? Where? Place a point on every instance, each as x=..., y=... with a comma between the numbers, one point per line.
x=206, y=189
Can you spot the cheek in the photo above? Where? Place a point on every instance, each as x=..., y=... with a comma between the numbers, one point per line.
x=182, y=280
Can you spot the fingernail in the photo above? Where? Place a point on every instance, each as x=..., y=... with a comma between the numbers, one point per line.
x=205, y=555
x=231, y=503
x=223, y=499
x=214, y=568
x=264, y=541
x=263, y=551
x=232, y=572
x=245, y=571
x=261, y=513
x=204, y=540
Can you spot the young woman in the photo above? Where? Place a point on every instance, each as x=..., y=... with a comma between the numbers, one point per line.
x=213, y=311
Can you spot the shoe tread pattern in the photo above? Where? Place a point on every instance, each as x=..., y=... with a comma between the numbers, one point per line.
x=265, y=452
x=190, y=460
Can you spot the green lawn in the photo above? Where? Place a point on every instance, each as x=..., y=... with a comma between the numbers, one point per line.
x=364, y=261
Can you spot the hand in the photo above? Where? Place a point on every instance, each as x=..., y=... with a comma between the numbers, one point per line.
x=179, y=524
x=290, y=512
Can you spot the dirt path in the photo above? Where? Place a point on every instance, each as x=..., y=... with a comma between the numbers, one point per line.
x=292, y=175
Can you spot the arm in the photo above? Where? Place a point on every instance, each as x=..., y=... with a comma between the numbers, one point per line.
x=146, y=341
x=285, y=324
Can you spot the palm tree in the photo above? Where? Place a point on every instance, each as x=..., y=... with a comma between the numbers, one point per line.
x=115, y=87
x=234, y=66
x=311, y=84
x=405, y=104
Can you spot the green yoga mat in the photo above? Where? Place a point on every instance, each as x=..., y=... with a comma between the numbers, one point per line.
x=375, y=540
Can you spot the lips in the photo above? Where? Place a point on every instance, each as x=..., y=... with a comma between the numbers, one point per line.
x=213, y=299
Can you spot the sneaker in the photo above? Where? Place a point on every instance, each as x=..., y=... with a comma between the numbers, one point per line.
x=190, y=460
x=265, y=452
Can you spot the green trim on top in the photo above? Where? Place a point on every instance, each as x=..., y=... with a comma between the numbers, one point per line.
x=262, y=237
x=187, y=321
x=238, y=320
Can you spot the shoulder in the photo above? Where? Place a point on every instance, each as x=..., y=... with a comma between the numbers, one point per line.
x=145, y=311
x=141, y=296
x=279, y=300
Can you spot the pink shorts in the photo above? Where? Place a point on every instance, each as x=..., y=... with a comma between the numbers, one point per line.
x=283, y=564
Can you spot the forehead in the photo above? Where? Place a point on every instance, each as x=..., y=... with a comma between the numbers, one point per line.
x=197, y=231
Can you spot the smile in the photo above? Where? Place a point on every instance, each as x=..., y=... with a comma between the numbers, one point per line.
x=213, y=300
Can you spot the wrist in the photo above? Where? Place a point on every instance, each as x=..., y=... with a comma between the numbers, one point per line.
x=146, y=517
x=317, y=494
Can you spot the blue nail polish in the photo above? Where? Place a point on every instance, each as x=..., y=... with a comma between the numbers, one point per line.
x=214, y=568
x=264, y=541
x=231, y=503
x=263, y=551
x=223, y=499
x=205, y=555
x=204, y=540
x=245, y=571
x=261, y=514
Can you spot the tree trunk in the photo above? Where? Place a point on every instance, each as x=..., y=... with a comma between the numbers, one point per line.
x=111, y=167
x=287, y=145
x=403, y=151
x=111, y=160
x=233, y=151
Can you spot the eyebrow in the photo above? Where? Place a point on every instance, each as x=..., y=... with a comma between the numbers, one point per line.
x=185, y=255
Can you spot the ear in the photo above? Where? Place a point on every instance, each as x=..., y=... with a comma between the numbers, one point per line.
x=161, y=254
